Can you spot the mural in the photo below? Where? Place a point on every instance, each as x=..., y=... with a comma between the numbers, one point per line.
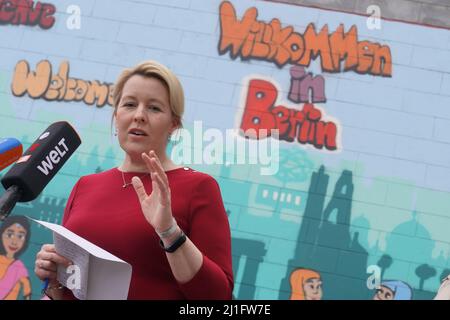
x=16, y=233
x=304, y=126
x=43, y=84
x=27, y=12
x=393, y=290
x=303, y=83
x=250, y=38
x=363, y=171
x=306, y=285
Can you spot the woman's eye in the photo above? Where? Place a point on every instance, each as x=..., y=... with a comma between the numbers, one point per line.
x=154, y=108
x=128, y=104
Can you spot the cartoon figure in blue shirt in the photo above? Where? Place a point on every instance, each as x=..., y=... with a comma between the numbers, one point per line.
x=393, y=290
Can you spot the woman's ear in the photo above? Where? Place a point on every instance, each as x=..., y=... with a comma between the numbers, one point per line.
x=176, y=124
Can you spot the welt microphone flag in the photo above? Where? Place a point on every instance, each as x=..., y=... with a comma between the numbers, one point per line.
x=10, y=150
x=38, y=165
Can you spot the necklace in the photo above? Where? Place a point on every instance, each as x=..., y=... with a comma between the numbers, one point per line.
x=126, y=184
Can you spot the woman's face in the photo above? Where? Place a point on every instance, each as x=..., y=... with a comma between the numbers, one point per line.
x=313, y=289
x=13, y=239
x=144, y=118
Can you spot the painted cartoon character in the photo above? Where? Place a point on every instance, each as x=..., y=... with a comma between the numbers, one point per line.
x=306, y=284
x=15, y=233
x=393, y=290
x=444, y=290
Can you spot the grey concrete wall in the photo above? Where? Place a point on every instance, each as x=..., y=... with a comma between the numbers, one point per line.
x=430, y=12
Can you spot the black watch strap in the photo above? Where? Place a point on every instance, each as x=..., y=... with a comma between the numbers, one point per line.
x=176, y=244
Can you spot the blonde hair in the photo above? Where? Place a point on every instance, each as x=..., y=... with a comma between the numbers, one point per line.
x=153, y=69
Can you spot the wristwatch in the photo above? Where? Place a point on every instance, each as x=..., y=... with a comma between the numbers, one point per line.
x=176, y=244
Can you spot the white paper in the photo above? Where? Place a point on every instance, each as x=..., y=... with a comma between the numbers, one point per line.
x=102, y=275
x=80, y=258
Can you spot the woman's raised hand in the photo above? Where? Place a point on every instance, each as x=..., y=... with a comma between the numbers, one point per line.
x=156, y=206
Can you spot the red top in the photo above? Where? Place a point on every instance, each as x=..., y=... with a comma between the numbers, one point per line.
x=106, y=214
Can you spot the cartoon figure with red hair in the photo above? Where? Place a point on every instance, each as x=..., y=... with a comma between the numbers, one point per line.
x=306, y=284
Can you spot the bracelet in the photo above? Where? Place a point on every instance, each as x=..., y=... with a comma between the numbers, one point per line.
x=44, y=291
x=167, y=233
x=54, y=287
x=176, y=244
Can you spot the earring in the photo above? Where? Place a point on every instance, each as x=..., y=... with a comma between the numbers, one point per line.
x=115, y=133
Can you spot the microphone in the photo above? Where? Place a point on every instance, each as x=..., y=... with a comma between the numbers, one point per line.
x=10, y=150
x=38, y=165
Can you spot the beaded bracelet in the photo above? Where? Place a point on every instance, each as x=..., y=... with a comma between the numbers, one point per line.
x=59, y=287
x=167, y=233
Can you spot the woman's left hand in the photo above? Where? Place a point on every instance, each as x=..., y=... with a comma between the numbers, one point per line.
x=156, y=206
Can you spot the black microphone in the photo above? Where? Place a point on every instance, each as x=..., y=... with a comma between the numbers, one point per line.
x=33, y=171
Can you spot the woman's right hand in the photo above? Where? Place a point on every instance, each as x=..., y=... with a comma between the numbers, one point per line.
x=47, y=261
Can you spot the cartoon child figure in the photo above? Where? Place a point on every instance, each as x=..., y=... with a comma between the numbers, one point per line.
x=444, y=290
x=393, y=290
x=306, y=284
x=15, y=233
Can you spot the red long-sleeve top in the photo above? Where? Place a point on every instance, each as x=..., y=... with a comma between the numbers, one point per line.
x=100, y=210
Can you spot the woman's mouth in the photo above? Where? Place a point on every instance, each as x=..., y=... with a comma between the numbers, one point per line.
x=136, y=137
x=13, y=248
x=137, y=133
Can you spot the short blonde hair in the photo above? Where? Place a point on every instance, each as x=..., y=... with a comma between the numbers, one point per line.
x=153, y=69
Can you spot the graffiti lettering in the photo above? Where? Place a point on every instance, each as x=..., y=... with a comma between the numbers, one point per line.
x=303, y=83
x=250, y=38
x=304, y=125
x=43, y=84
x=26, y=12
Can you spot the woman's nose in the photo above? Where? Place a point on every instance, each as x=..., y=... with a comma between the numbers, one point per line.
x=139, y=115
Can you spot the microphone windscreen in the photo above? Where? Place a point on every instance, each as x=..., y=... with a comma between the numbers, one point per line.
x=39, y=164
x=10, y=150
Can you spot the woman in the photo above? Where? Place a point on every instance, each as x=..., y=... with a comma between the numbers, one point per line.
x=15, y=232
x=167, y=221
x=306, y=284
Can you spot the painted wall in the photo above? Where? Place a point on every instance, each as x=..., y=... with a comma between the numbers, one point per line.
x=361, y=194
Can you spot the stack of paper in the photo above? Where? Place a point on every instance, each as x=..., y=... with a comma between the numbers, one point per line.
x=96, y=274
